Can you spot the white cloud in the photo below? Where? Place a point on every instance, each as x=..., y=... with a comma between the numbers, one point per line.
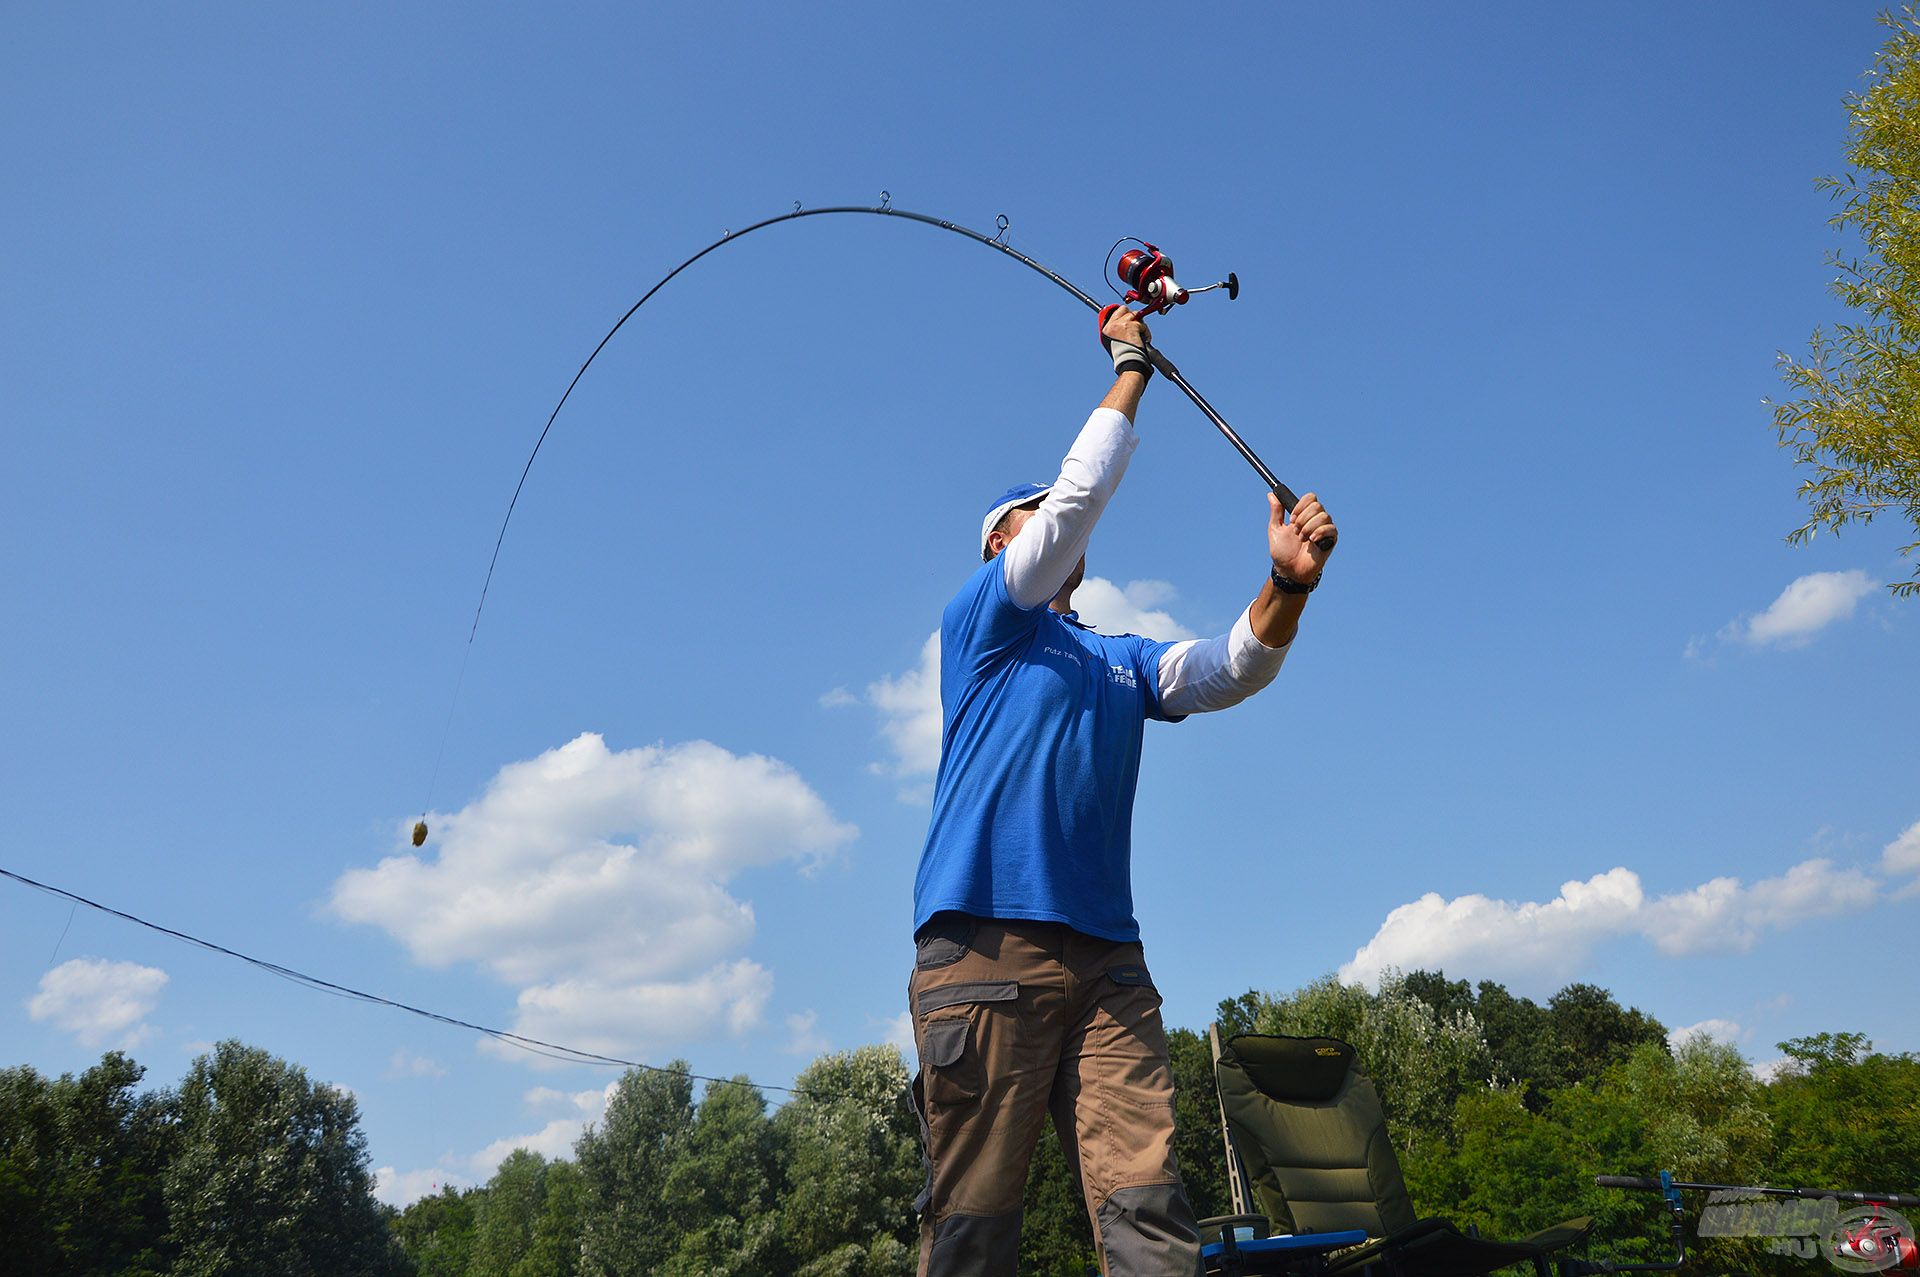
x=610, y=1017
x=1803, y=609
x=1902, y=855
x=899, y=1032
x=1530, y=942
x=406, y=1064
x=596, y=881
x=909, y=707
x=554, y=1139
x=1716, y=1030
x=401, y=1189
x=1723, y=915
x=1133, y=608
x=909, y=702
x=98, y=1001
x=590, y=1103
x=807, y=1038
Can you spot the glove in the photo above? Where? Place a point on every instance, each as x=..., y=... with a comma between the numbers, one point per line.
x=1126, y=356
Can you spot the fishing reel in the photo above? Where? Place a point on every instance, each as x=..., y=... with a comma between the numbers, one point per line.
x=1870, y=1240
x=1148, y=274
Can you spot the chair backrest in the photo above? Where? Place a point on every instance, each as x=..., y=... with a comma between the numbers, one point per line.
x=1307, y=1124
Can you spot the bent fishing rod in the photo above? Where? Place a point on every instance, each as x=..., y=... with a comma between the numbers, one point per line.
x=1146, y=271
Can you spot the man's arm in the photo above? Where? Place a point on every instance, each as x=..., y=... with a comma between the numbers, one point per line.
x=1210, y=674
x=1038, y=561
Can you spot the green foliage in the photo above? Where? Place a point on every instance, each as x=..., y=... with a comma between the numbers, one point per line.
x=1574, y=1038
x=270, y=1174
x=1056, y=1237
x=1845, y=1117
x=1854, y=419
x=555, y=1251
x=506, y=1214
x=624, y=1165
x=437, y=1232
x=80, y=1172
x=1420, y=1058
x=852, y=1150
x=723, y=1189
x=1196, y=1124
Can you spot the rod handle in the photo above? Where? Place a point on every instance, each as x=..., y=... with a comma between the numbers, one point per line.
x=1626, y=1181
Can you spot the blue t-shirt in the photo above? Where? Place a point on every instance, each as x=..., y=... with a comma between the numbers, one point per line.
x=1039, y=755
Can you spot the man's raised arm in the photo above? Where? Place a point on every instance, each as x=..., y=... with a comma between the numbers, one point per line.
x=1039, y=561
x=1209, y=674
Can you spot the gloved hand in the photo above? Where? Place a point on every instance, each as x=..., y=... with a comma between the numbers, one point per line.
x=1126, y=338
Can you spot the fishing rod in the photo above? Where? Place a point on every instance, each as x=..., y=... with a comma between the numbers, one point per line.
x=1869, y=1238
x=1146, y=271
x=1905, y=1201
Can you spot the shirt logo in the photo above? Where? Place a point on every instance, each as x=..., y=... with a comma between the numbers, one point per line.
x=1122, y=675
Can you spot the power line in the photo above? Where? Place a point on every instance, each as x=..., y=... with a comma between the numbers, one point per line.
x=534, y=1046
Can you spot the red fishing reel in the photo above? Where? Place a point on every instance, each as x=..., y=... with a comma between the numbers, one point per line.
x=1873, y=1240
x=1148, y=274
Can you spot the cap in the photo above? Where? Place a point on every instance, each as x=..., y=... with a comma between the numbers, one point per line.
x=1013, y=498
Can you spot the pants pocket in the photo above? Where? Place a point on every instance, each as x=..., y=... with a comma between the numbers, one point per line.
x=947, y=938
x=952, y=1058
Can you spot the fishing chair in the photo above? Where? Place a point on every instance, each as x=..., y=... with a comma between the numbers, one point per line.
x=1307, y=1149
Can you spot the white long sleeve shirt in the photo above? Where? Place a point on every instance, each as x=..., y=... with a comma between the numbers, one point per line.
x=1195, y=676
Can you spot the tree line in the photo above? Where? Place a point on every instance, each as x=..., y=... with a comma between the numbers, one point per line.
x=1502, y=1109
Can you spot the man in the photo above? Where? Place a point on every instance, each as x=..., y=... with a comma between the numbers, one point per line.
x=1030, y=993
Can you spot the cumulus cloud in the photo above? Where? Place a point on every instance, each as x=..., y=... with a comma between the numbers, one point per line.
x=401, y=1189
x=596, y=881
x=1804, y=608
x=1528, y=942
x=806, y=1036
x=1715, y=1030
x=898, y=1031
x=1902, y=855
x=1133, y=608
x=100, y=1002
x=909, y=703
x=406, y=1064
x=555, y=1138
x=909, y=708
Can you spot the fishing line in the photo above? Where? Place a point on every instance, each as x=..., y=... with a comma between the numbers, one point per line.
x=884, y=208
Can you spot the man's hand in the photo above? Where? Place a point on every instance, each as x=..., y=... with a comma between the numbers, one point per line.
x=1126, y=338
x=1296, y=546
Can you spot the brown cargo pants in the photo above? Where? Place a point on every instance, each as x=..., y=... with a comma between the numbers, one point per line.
x=1015, y=1020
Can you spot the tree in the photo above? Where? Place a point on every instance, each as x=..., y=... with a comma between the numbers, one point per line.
x=555, y=1251
x=724, y=1187
x=1056, y=1237
x=624, y=1164
x=1854, y=420
x=81, y=1161
x=506, y=1215
x=1845, y=1116
x=852, y=1152
x=436, y=1232
x=271, y=1174
x=1420, y=1060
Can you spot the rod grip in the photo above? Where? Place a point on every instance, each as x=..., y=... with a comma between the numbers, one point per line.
x=1626, y=1181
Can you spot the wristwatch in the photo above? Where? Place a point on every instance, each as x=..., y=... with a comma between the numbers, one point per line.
x=1287, y=585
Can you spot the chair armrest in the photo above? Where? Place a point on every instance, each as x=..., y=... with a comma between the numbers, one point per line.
x=1220, y=1225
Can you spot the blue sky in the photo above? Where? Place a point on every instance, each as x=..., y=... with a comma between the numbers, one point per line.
x=287, y=297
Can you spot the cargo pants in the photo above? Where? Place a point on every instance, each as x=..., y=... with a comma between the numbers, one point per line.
x=1015, y=1021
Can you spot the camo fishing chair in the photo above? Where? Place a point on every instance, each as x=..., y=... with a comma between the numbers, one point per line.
x=1307, y=1149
